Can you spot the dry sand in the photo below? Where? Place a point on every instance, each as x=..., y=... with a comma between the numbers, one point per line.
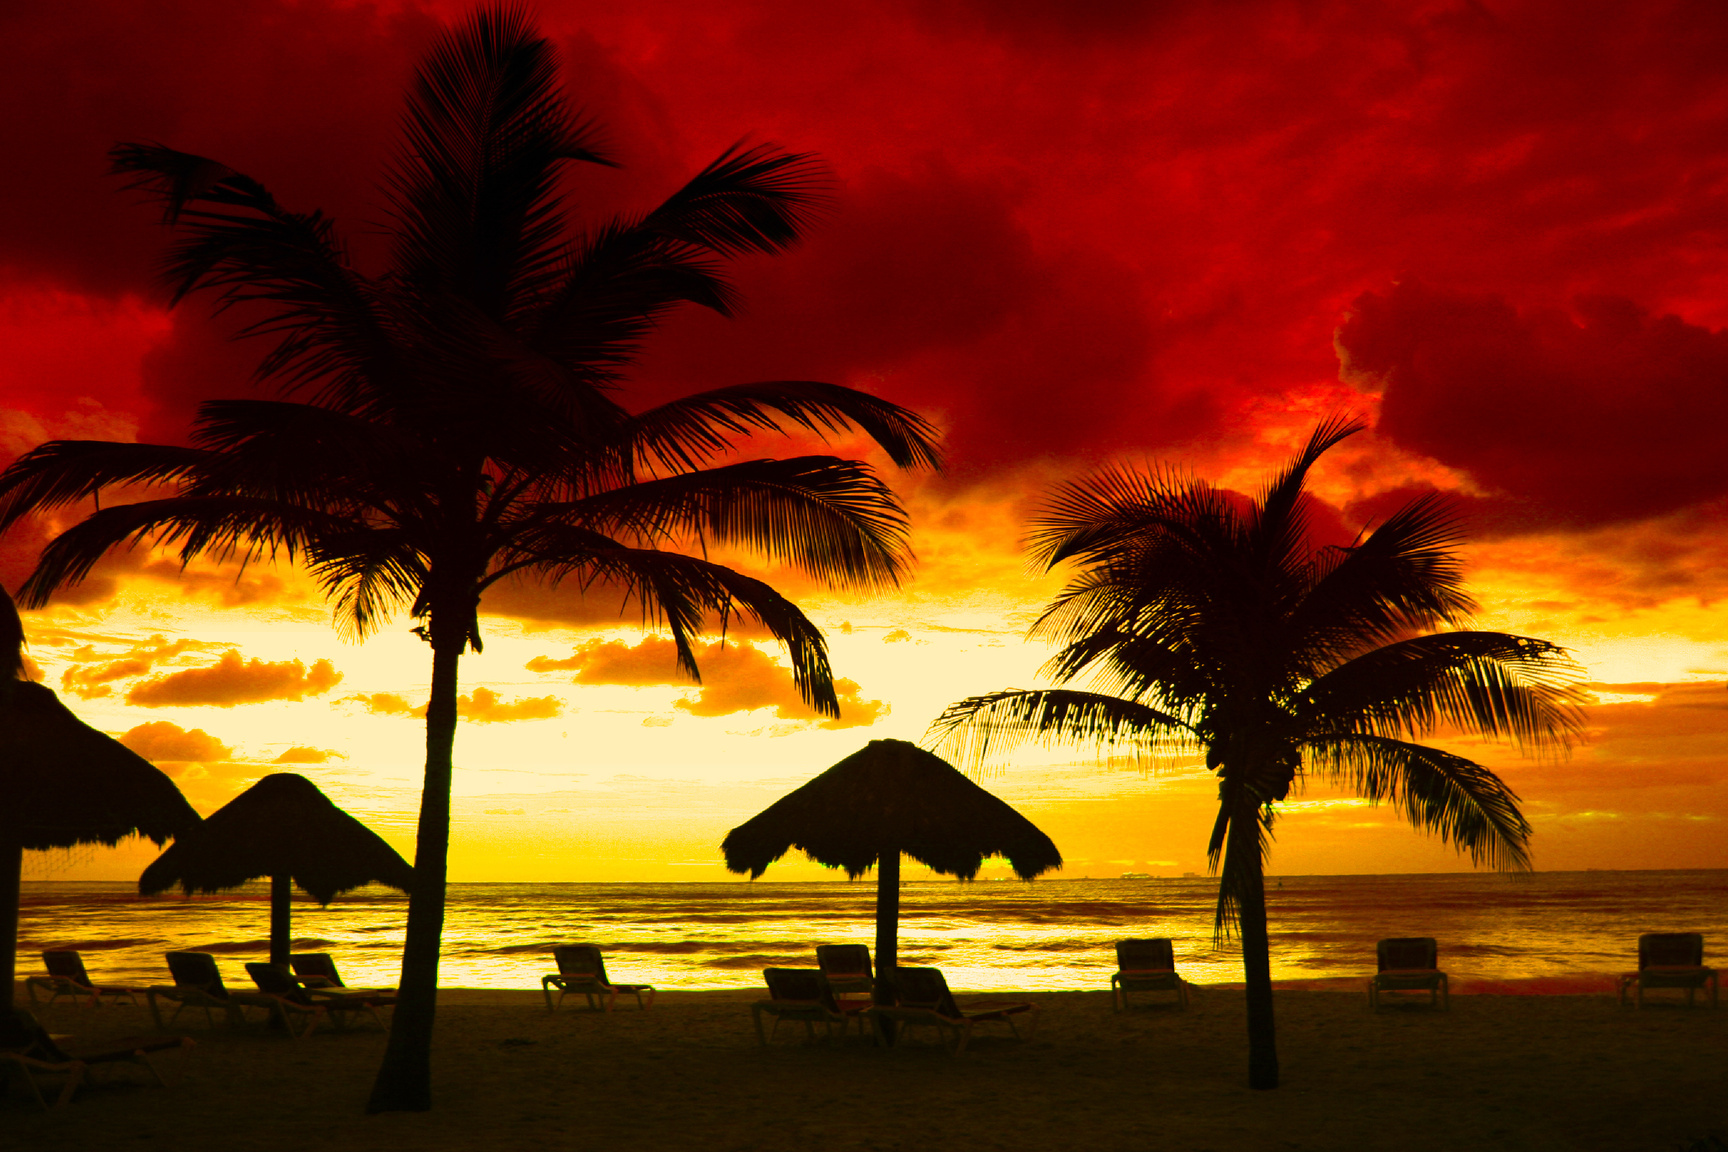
x=1496, y=1072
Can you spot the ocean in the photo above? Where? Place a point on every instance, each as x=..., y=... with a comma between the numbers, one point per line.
x=1541, y=932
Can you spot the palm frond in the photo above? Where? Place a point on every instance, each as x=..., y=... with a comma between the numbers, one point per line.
x=474, y=188
x=1486, y=683
x=218, y=527
x=974, y=729
x=61, y=472
x=757, y=199
x=692, y=429
x=832, y=518
x=331, y=322
x=1466, y=805
x=1277, y=526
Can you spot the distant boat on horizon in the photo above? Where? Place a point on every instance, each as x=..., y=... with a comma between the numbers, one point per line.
x=1136, y=875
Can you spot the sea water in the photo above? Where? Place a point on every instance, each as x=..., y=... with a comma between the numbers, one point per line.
x=1549, y=931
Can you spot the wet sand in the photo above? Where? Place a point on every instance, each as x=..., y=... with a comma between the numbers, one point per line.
x=1496, y=1072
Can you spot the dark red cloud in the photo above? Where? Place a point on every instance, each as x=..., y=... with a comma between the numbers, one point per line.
x=1068, y=231
x=1605, y=413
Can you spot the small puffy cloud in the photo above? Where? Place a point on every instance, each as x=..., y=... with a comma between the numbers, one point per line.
x=485, y=707
x=233, y=680
x=898, y=636
x=92, y=674
x=384, y=704
x=162, y=740
x=300, y=754
x=736, y=677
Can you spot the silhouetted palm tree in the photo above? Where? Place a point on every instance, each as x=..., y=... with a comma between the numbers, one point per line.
x=1208, y=626
x=455, y=423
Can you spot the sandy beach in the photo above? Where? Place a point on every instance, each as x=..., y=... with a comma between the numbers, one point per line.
x=1496, y=1072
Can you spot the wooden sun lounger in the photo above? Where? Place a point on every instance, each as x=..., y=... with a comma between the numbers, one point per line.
x=924, y=1000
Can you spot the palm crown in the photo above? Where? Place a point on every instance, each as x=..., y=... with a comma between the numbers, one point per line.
x=1202, y=624
x=453, y=421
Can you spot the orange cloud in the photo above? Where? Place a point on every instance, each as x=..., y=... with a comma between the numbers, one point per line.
x=300, y=754
x=231, y=681
x=736, y=677
x=89, y=679
x=162, y=740
x=483, y=706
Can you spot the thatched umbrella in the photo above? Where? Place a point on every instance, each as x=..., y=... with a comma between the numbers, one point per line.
x=63, y=783
x=282, y=827
x=887, y=798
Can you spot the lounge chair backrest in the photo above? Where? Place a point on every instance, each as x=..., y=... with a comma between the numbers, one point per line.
x=799, y=984
x=581, y=960
x=1408, y=952
x=1145, y=956
x=847, y=966
x=925, y=988
x=1671, y=950
x=315, y=964
x=67, y=964
x=272, y=981
x=197, y=970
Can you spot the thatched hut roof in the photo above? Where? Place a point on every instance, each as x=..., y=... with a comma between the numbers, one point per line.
x=891, y=795
x=282, y=825
x=61, y=781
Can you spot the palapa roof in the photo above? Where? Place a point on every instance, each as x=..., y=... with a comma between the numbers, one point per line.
x=61, y=781
x=891, y=794
x=281, y=825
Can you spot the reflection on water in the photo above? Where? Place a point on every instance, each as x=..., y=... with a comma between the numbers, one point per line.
x=1054, y=934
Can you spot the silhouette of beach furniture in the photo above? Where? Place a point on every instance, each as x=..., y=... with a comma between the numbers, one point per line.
x=198, y=984
x=1409, y=964
x=67, y=977
x=846, y=968
x=1145, y=966
x=804, y=995
x=28, y=1048
x=923, y=999
x=294, y=1000
x=1670, y=960
x=315, y=970
x=582, y=971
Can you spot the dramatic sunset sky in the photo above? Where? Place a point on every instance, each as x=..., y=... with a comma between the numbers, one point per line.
x=1067, y=233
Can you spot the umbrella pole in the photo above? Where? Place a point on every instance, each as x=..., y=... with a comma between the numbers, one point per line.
x=887, y=932
x=11, y=872
x=281, y=892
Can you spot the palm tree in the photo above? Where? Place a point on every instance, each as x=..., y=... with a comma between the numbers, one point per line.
x=452, y=421
x=1206, y=625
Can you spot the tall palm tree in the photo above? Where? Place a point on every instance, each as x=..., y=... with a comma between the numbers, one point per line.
x=452, y=421
x=1205, y=625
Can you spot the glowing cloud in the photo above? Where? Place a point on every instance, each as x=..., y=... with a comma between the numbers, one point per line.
x=162, y=740
x=232, y=681
x=736, y=677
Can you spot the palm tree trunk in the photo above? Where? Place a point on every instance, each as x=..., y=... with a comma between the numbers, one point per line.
x=404, y=1081
x=281, y=892
x=1242, y=859
x=11, y=874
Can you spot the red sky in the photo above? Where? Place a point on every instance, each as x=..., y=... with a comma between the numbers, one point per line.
x=1067, y=232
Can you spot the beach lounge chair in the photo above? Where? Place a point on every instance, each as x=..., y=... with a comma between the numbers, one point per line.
x=800, y=994
x=66, y=977
x=293, y=1000
x=317, y=970
x=1409, y=964
x=924, y=999
x=582, y=970
x=846, y=968
x=198, y=984
x=1145, y=966
x=27, y=1050
x=1670, y=960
